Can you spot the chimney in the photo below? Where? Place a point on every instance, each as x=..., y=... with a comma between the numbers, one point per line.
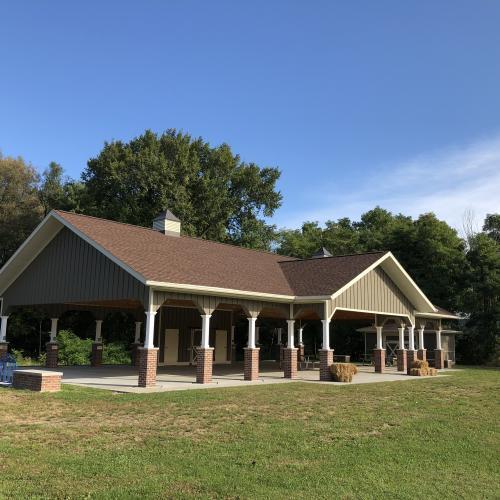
x=322, y=252
x=167, y=223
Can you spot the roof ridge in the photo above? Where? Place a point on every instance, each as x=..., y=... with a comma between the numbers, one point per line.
x=338, y=256
x=268, y=252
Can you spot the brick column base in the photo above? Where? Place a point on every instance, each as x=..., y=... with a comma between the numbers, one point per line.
x=325, y=360
x=4, y=349
x=411, y=357
x=148, y=360
x=96, y=359
x=52, y=354
x=290, y=362
x=422, y=354
x=204, y=362
x=300, y=356
x=439, y=359
x=402, y=360
x=379, y=358
x=251, y=363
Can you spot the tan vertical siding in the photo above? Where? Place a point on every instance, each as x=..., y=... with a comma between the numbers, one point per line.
x=71, y=270
x=374, y=292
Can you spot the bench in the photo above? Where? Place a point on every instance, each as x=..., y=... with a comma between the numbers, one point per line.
x=37, y=380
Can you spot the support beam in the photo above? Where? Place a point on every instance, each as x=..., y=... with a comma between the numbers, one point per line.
x=379, y=352
x=301, y=352
x=290, y=353
x=4, y=346
x=326, y=334
x=150, y=330
x=421, y=348
x=204, y=358
x=134, y=355
x=52, y=355
x=251, y=353
x=148, y=355
x=325, y=353
x=401, y=352
x=438, y=353
x=96, y=358
x=411, y=355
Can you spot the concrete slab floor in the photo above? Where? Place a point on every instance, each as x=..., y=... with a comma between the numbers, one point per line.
x=177, y=378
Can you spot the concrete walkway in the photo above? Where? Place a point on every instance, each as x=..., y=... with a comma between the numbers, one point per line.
x=176, y=378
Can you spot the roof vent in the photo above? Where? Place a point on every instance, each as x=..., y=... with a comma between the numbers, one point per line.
x=322, y=252
x=167, y=223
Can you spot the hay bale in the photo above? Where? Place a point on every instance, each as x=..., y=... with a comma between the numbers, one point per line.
x=432, y=372
x=417, y=372
x=419, y=363
x=343, y=372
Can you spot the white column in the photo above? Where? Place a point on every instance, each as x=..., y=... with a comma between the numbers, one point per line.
x=205, y=330
x=150, y=330
x=411, y=338
x=137, y=338
x=3, y=328
x=300, y=335
x=251, y=332
x=257, y=335
x=326, y=334
x=438, y=339
x=401, y=337
x=421, y=338
x=379, y=336
x=291, y=324
x=53, y=329
x=98, y=327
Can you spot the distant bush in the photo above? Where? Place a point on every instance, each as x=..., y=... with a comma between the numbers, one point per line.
x=72, y=349
x=116, y=353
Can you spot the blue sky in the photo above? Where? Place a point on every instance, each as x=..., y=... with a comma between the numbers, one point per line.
x=395, y=103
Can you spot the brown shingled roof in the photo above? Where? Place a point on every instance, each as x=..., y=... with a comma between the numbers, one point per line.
x=194, y=261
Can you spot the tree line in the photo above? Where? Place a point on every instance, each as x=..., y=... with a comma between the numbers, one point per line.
x=220, y=197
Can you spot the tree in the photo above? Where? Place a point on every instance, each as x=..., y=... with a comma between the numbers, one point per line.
x=492, y=226
x=215, y=194
x=20, y=208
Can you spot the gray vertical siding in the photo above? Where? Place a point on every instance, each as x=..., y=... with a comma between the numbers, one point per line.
x=70, y=270
x=374, y=292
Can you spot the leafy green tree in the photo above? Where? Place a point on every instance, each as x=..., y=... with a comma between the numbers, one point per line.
x=215, y=194
x=492, y=226
x=20, y=208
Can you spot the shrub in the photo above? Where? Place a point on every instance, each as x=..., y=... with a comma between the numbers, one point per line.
x=116, y=353
x=343, y=372
x=72, y=349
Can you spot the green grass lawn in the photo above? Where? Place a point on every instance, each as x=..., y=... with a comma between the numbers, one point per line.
x=421, y=438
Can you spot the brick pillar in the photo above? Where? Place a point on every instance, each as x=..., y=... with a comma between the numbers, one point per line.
x=301, y=356
x=379, y=357
x=204, y=362
x=148, y=360
x=96, y=358
x=402, y=360
x=439, y=359
x=52, y=354
x=290, y=362
x=411, y=357
x=325, y=360
x=134, y=354
x=422, y=354
x=4, y=349
x=251, y=364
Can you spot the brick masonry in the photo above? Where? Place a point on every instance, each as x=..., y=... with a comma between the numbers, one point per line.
x=37, y=380
x=411, y=357
x=148, y=360
x=325, y=361
x=422, y=354
x=402, y=360
x=96, y=357
x=52, y=354
x=204, y=362
x=300, y=355
x=379, y=358
x=290, y=362
x=438, y=359
x=251, y=363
